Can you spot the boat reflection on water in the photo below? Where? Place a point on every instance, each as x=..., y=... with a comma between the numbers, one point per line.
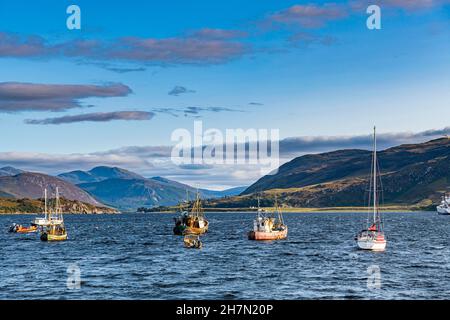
x=192, y=241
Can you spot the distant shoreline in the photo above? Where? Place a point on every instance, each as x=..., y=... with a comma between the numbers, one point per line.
x=65, y=213
x=297, y=210
x=174, y=210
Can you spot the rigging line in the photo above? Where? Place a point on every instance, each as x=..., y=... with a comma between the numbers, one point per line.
x=370, y=190
x=381, y=191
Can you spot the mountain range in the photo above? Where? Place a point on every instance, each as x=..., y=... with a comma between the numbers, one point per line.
x=9, y=171
x=31, y=185
x=411, y=174
x=110, y=186
x=127, y=190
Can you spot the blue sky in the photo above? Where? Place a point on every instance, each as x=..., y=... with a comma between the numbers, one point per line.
x=308, y=68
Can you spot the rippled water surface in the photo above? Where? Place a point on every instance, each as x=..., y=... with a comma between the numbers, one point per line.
x=135, y=256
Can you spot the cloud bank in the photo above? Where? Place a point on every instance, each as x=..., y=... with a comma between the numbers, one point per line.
x=155, y=160
x=18, y=96
x=308, y=15
x=207, y=46
x=203, y=46
x=96, y=117
x=192, y=111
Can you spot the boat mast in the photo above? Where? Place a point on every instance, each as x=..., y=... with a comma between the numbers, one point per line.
x=259, y=210
x=57, y=206
x=45, y=204
x=374, y=173
x=280, y=215
x=197, y=209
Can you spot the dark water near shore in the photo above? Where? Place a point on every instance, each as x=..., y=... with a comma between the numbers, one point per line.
x=135, y=256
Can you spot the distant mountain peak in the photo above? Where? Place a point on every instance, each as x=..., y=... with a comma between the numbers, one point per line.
x=31, y=185
x=9, y=171
x=411, y=174
x=114, y=172
x=98, y=174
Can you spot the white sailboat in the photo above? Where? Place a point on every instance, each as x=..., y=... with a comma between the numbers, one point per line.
x=372, y=237
x=49, y=219
x=444, y=207
x=39, y=221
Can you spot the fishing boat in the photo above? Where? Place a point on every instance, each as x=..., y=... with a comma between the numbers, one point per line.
x=55, y=230
x=372, y=237
x=196, y=222
x=192, y=241
x=444, y=207
x=268, y=227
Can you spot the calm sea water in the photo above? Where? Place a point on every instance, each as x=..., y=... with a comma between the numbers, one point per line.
x=135, y=256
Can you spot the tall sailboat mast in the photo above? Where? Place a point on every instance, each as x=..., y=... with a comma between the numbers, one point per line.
x=374, y=175
x=45, y=204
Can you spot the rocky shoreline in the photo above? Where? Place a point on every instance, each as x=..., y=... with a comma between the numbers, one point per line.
x=36, y=206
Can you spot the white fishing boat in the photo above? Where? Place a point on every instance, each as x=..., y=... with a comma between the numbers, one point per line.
x=268, y=227
x=372, y=237
x=444, y=207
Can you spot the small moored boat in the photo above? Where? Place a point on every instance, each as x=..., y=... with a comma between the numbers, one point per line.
x=372, y=237
x=30, y=229
x=17, y=228
x=194, y=222
x=444, y=207
x=267, y=227
x=192, y=241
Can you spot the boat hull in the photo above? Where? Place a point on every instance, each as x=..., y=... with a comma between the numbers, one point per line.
x=371, y=242
x=372, y=245
x=179, y=230
x=53, y=237
x=197, y=230
x=274, y=235
x=443, y=211
x=193, y=230
x=27, y=230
